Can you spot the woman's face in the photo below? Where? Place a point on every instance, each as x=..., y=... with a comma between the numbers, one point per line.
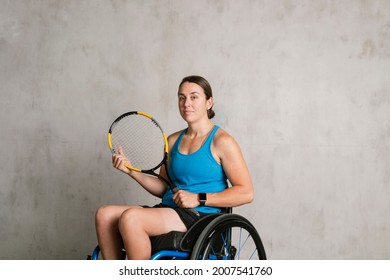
x=192, y=102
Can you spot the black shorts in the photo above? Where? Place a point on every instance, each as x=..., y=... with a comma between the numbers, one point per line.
x=187, y=216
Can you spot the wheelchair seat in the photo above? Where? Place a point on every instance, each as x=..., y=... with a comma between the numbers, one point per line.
x=182, y=241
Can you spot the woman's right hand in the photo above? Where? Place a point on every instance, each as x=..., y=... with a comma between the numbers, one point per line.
x=119, y=160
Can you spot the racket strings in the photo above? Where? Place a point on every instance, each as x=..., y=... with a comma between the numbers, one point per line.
x=141, y=140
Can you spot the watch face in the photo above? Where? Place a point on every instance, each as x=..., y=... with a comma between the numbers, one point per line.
x=202, y=199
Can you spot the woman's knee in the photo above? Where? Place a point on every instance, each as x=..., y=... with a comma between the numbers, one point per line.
x=104, y=214
x=131, y=218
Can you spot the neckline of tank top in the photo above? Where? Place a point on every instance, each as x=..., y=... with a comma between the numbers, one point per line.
x=201, y=146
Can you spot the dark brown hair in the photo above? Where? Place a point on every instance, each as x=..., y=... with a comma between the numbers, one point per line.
x=204, y=84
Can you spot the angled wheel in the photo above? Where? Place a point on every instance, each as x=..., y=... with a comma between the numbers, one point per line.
x=229, y=237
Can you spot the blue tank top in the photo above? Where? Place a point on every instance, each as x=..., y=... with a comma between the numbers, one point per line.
x=197, y=172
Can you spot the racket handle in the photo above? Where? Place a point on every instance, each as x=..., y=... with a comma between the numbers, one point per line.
x=175, y=189
x=193, y=211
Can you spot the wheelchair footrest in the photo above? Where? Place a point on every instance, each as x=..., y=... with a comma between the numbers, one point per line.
x=170, y=255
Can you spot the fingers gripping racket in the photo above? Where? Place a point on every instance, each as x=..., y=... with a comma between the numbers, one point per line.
x=143, y=142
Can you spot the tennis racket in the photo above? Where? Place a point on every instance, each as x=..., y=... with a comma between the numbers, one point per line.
x=143, y=142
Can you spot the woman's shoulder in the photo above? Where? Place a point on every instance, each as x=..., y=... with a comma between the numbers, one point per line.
x=174, y=136
x=224, y=146
x=223, y=139
x=222, y=136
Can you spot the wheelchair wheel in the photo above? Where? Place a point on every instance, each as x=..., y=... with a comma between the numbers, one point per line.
x=229, y=237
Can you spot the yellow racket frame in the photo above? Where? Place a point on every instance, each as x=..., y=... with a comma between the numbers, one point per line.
x=109, y=141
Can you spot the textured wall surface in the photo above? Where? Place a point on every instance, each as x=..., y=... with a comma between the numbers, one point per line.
x=303, y=86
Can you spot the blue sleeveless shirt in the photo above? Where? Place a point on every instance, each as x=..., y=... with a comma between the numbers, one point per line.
x=197, y=172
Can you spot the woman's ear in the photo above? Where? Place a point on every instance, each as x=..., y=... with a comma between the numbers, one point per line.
x=209, y=103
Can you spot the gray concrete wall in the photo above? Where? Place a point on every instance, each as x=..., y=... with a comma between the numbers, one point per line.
x=302, y=85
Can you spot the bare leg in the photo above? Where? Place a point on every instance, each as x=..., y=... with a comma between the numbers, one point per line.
x=137, y=224
x=107, y=231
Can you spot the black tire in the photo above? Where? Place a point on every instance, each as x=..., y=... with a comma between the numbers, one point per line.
x=229, y=237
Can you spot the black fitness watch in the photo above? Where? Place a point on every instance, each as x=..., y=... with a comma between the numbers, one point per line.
x=202, y=198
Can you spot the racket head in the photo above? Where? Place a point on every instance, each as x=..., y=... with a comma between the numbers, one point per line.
x=142, y=139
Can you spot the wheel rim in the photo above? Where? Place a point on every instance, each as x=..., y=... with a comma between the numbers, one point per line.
x=230, y=240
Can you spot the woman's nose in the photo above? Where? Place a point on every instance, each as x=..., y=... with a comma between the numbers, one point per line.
x=187, y=103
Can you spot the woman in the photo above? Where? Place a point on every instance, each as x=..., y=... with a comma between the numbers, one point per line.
x=201, y=160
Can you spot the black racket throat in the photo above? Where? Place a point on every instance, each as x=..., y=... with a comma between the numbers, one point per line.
x=173, y=188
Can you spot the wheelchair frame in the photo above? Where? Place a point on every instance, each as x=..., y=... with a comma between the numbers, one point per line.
x=209, y=238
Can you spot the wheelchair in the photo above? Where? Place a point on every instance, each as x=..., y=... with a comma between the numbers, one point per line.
x=223, y=236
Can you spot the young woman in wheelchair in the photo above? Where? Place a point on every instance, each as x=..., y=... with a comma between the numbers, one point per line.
x=202, y=158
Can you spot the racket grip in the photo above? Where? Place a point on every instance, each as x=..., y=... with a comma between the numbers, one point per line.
x=175, y=189
x=193, y=211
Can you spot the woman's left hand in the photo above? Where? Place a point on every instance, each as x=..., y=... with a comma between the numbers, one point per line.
x=185, y=199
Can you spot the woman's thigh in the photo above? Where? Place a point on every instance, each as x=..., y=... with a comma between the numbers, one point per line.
x=154, y=221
